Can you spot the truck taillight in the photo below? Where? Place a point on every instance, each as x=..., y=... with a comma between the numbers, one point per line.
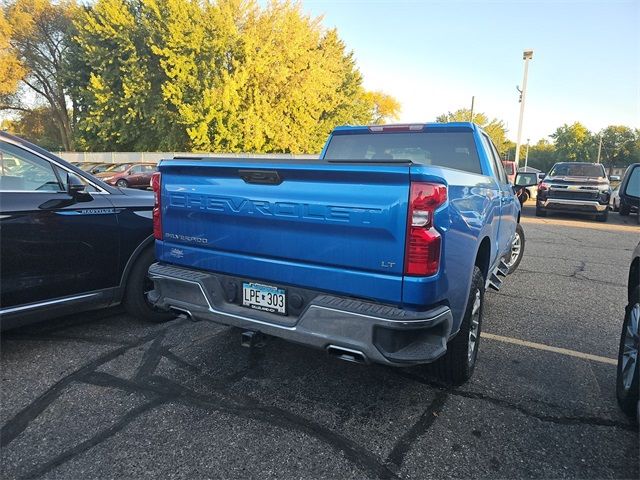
x=422, y=251
x=157, y=219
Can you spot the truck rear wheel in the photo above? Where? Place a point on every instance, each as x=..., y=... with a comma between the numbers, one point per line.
x=457, y=365
x=513, y=258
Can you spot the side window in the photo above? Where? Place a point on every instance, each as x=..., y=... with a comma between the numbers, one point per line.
x=501, y=173
x=486, y=143
x=633, y=185
x=23, y=171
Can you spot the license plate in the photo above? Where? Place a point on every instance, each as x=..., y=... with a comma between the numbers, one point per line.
x=264, y=297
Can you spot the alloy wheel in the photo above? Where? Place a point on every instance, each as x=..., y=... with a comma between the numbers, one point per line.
x=474, y=327
x=516, y=248
x=631, y=347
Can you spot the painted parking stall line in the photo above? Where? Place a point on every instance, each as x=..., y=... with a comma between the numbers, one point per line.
x=549, y=348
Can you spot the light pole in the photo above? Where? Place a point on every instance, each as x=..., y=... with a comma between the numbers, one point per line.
x=526, y=156
x=526, y=56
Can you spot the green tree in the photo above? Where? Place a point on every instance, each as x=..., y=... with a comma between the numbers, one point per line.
x=542, y=155
x=37, y=126
x=39, y=40
x=495, y=128
x=574, y=143
x=620, y=145
x=225, y=75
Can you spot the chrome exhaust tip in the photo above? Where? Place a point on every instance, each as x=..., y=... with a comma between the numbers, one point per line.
x=347, y=354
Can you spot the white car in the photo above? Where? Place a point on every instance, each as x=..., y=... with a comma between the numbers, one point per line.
x=614, y=201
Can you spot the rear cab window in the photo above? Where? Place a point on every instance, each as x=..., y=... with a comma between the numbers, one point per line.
x=455, y=150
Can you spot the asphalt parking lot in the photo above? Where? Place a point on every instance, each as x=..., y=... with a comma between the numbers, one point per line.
x=100, y=395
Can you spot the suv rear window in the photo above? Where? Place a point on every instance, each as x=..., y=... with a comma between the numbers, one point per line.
x=577, y=170
x=444, y=149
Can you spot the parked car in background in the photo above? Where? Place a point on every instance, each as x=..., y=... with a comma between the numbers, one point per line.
x=629, y=191
x=575, y=187
x=628, y=371
x=68, y=241
x=129, y=175
x=97, y=168
x=614, y=202
x=510, y=170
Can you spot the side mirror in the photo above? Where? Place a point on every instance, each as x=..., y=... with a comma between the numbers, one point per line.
x=541, y=176
x=75, y=187
x=614, y=178
x=525, y=179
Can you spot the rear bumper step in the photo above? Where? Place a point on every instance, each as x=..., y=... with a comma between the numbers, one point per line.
x=377, y=333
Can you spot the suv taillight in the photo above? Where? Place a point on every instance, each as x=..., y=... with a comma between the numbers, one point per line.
x=157, y=219
x=422, y=251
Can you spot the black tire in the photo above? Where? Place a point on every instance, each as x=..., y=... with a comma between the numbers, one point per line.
x=540, y=212
x=525, y=196
x=138, y=284
x=507, y=257
x=122, y=183
x=457, y=365
x=624, y=210
x=628, y=397
x=603, y=217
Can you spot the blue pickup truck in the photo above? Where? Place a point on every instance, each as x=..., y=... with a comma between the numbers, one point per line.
x=379, y=251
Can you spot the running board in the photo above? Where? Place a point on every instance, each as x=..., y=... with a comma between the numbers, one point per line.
x=494, y=281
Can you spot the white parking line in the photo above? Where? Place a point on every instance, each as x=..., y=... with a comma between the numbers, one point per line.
x=548, y=348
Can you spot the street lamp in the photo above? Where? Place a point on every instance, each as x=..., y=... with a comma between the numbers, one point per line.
x=526, y=56
x=526, y=156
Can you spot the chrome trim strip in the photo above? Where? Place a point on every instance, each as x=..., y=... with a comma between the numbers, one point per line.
x=563, y=201
x=43, y=304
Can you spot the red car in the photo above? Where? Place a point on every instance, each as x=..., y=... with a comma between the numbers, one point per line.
x=510, y=169
x=129, y=175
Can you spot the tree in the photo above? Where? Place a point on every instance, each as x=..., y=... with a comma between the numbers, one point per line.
x=225, y=75
x=574, y=143
x=620, y=145
x=495, y=128
x=542, y=155
x=39, y=41
x=11, y=70
x=36, y=125
x=385, y=107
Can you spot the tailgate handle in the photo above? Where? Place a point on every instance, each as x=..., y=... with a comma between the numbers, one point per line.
x=262, y=177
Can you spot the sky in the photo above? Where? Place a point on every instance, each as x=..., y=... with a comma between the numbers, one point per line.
x=433, y=56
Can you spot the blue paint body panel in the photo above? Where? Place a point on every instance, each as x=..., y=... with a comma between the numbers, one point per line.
x=333, y=227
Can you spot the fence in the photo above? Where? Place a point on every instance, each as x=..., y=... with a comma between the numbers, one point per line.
x=155, y=157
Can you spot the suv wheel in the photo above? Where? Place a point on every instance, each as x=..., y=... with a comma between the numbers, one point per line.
x=122, y=183
x=603, y=217
x=628, y=368
x=457, y=365
x=138, y=285
x=624, y=210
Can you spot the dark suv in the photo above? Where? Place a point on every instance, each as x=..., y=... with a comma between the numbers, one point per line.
x=629, y=191
x=575, y=187
x=68, y=241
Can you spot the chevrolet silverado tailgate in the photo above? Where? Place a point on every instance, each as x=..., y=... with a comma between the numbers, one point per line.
x=326, y=226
